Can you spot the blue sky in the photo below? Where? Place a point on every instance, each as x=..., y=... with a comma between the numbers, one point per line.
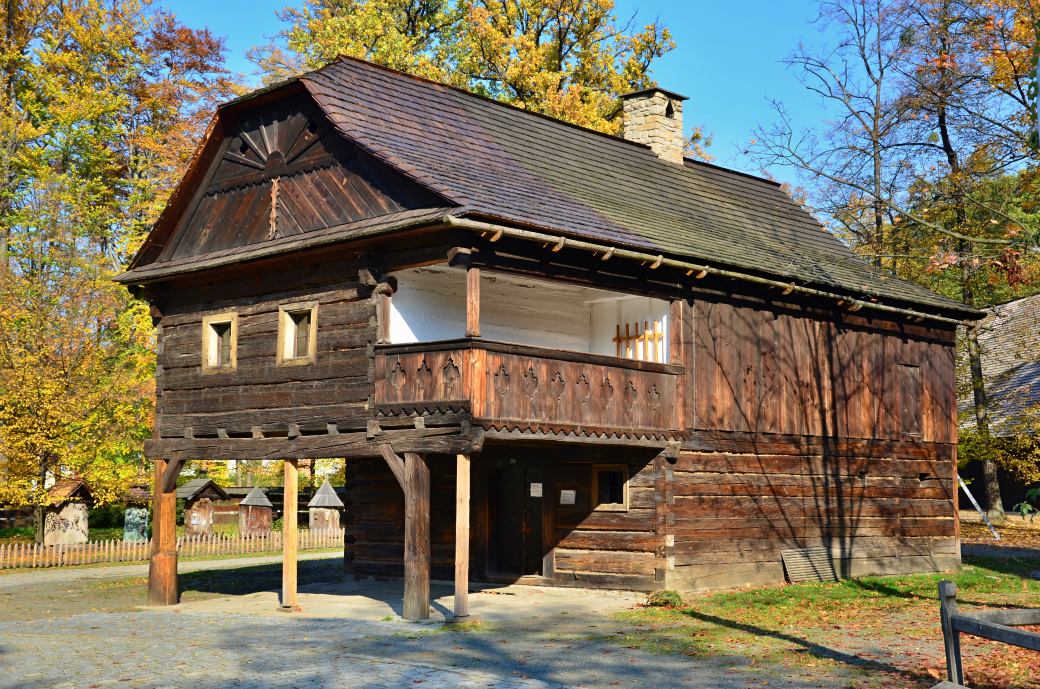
x=727, y=58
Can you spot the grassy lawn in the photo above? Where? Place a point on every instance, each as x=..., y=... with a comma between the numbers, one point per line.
x=883, y=631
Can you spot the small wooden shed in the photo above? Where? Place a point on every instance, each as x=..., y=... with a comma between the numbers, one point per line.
x=254, y=514
x=65, y=519
x=198, y=495
x=135, y=519
x=324, y=508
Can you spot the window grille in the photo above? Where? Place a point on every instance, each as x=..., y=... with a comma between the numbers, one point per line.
x=641, y=343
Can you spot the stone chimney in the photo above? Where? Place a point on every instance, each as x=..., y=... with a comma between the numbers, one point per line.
x=654, y=117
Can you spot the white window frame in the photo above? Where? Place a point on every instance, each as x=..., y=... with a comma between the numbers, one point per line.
x=287, y=331
x=211, y=342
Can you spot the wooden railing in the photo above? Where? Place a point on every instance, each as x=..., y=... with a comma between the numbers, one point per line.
x=32, y=555
x=502, y=382
x=995, y=625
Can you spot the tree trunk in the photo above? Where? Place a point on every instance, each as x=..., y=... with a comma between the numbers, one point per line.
x=994, y=505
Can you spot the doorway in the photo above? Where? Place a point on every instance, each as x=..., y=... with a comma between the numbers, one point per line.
x=515, y=516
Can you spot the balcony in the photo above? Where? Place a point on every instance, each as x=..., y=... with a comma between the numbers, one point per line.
x=522, y=390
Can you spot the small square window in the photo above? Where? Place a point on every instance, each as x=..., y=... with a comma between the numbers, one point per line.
x=297, y=330
x=219, y=342
x=610, y=487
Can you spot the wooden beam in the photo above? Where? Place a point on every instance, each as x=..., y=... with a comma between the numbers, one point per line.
x=289, y=535
x=169, y=477
x=396, y=465
x=416, y=538
x=462, y=474
x=162, y=565
x=473, y=302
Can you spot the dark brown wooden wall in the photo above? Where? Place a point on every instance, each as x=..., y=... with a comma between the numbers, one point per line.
x=755, y=370
x=880, y=506
x=374, y=518
x=599, y=547
x=334, y=389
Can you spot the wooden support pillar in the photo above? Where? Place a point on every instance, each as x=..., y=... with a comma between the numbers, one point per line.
x=162, y=564
x=677, y=316
x=472, y=302
x=675, y=332
x=289, y=535
x=416, y=538
x=462, y=536
x=549, y=520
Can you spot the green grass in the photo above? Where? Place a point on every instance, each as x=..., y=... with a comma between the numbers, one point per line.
x=802, y=625
x=17, y=534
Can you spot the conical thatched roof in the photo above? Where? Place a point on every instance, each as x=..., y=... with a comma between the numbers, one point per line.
x=256, y=498
x=325, y=497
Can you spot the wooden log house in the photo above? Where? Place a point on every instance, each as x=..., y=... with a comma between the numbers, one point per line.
x=549, y=355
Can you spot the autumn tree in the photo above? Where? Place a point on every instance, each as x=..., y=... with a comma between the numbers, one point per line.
x=104, y=103
x=570, y=59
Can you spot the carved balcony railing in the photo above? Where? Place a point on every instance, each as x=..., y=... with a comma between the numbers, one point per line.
x=531, y=389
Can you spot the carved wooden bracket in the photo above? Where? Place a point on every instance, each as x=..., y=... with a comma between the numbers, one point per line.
x=396, y=464
x=173, y=470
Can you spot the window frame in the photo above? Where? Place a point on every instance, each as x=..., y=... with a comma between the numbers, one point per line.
x=287, y=333
x=210, y=340
x=609, y=506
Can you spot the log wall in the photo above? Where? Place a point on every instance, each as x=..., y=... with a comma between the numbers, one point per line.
x=277, y=400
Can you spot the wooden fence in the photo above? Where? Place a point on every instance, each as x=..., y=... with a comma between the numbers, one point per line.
x=33, y=555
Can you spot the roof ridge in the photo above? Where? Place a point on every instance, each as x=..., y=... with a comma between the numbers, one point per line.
x=477, y=96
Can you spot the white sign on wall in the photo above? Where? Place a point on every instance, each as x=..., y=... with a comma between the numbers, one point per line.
x=536, y=490
x=567, y=497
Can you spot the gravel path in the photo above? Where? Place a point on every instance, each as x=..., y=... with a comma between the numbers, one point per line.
x=153, y=650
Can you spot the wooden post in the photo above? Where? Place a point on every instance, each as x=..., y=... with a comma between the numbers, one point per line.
x=416, y=538
x=290, y=535
x=549, y=520
x=951, y=637
x=162, y=565
x=462, y=536
x=472, y=302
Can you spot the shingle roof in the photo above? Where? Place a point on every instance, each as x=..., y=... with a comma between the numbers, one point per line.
x=325, y=497
x=513, y=165
x=191, y=489
x=69, y=489
x=502, y=163
x=256, y=498
x=1010, y=344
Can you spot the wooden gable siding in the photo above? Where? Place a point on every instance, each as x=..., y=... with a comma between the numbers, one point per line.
x=283, y=170
x=334, y=389
x=756, y=370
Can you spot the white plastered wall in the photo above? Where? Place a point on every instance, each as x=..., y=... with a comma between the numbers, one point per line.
x=430, y=304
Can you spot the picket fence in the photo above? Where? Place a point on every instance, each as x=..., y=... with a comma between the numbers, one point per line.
x=33, y=555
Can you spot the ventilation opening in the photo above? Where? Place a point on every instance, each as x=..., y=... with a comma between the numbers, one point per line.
x=243, y=147
x=923, y=476
x=670, y=111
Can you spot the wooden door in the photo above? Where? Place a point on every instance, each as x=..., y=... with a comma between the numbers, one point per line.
x=515, y=520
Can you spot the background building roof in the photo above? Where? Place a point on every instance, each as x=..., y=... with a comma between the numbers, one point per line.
x=196, y=487
x=325, y=497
